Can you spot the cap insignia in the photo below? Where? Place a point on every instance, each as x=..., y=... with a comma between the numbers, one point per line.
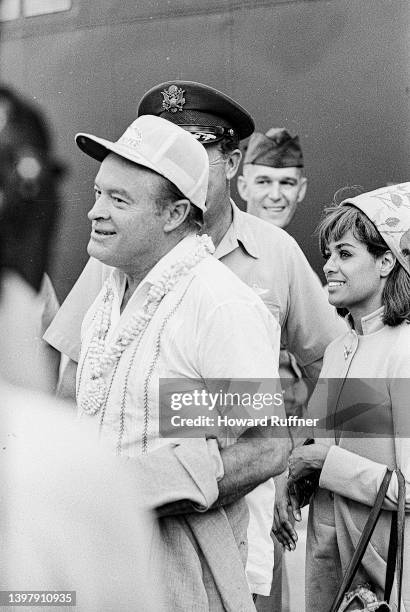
x=173, y=99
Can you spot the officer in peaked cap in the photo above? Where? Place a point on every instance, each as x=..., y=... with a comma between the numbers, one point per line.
x=219, y=123
x=263, y=256
x=207, y=113
x=273, y=183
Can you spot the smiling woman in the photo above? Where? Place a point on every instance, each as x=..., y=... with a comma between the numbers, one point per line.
x=365, y=241
x=361, y=270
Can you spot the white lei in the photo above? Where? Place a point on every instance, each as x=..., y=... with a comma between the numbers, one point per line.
x=101, y=357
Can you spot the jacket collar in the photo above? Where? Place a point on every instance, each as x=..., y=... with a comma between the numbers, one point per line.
x=371, y=323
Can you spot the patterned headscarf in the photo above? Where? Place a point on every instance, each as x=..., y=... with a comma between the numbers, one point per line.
x=388, y=209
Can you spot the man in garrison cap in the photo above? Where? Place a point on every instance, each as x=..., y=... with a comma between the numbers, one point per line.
x=263, y=256
x=273, y=183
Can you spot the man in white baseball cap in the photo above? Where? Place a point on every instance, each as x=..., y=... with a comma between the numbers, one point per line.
x=171, y=311
x=139, y=174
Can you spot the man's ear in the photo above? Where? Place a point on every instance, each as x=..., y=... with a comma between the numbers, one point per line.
x=387, y=263
x=242, y=187
x=233, y=163
x=175, y=214
x=302, y=189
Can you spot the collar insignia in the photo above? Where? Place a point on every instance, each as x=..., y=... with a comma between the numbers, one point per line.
x=173, y=99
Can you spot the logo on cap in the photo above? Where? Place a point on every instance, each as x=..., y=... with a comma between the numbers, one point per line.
x=131, y=137
x=173, y=99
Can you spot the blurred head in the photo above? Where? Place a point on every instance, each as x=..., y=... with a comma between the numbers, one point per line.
x=28, y=188
x=361, y=270
x=273, y=183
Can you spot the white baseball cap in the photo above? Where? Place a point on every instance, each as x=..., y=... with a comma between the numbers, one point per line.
x=161, y=146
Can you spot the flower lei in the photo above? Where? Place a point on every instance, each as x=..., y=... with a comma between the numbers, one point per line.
x=101, y=357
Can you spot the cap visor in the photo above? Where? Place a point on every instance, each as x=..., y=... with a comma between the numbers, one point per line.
x=93, y=146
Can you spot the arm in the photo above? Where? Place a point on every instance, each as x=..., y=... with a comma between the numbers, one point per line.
x=182, y=476
x=290, y=494
x=250, y=462
x=303, y=457
x=251, y=352
x=65, y=330
x=359, y=478
x=246, y=464
x=246, y=354
x=63, y=333
x=286, y=512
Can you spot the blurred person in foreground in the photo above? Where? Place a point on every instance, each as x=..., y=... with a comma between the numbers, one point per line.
x=25, y=245
x=362, y=397
x=70, y=515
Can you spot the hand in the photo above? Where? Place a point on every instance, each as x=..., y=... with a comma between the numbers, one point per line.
x=306, y=459
x=285, y=513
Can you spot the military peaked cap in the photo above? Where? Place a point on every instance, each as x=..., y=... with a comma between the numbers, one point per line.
x=202, y=110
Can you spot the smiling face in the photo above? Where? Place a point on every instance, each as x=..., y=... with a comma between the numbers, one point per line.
x=127, y=228
x=355, y=277
x=272, y=193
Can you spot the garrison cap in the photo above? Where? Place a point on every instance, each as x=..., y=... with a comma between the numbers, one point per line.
x=205, y=112
x=276, y=149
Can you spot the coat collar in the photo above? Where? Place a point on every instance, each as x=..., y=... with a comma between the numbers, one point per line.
x=371, y=323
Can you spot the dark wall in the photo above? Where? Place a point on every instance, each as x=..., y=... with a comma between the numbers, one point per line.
x=336, y=72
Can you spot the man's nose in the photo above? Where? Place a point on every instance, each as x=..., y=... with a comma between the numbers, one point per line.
x=100, y=210
x=275, y=191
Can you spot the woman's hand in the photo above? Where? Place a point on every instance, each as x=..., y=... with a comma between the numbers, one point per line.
x=306, y=459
